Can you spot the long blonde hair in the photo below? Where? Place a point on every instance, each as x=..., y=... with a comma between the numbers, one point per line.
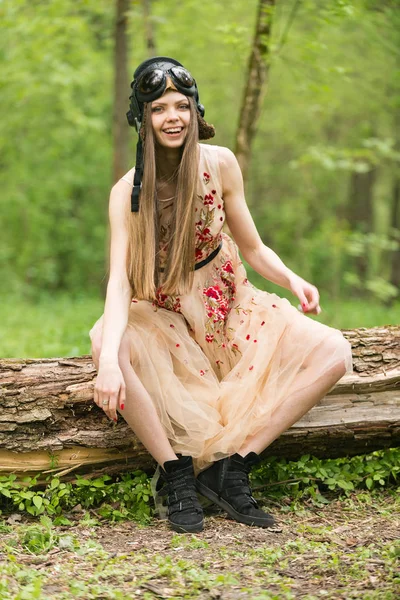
x=143, y=262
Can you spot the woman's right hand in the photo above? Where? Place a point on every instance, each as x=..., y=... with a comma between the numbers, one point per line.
x=110, y=389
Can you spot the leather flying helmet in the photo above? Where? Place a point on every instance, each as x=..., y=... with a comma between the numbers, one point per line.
x=149, y=83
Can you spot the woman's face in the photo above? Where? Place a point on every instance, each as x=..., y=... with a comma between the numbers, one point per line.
x=170, y=117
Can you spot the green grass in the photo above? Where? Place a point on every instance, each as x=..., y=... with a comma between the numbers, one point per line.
x=58, y=325
x=344, y=313
x=54, y=326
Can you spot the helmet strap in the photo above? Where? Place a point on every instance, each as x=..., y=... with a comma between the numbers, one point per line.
x=137, y=180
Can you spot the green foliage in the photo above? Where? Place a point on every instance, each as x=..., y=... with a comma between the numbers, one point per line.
x=38, y=539
x=311, y=476
x=330, y=110
x=126, y=497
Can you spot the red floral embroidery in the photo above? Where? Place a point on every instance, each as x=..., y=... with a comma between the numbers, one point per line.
x=213, y=191
x=171, y=325
x=209, y=337
x=205, y=240
x=168, y=302
x=208, y=200
x=202, y=372
x=251, y=368
x=227, y=267
x=177, y=345
x=206, y=177
x=274, y=306
x=248, y=336
x=255, y=341
x=219, y=206
x=263, y=323
x=213, y=292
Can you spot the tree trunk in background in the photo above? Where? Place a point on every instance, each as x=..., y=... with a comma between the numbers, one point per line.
x=395, y=225
x=360, y=211
x=149, y=30
x=121, y=91
x=255, y=87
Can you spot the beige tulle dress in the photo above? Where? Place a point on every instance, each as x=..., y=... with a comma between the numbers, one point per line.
x=219, y=360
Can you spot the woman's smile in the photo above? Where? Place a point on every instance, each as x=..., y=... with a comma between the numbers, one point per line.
x=173, y=132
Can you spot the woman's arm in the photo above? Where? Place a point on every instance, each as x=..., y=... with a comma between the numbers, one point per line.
x=261, y=258
x=109, y=390
x=119, y=294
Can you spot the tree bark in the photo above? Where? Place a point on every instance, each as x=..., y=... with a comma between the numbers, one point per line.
x=49, y=421
x=255, y=87
x=360, y=213
x=149, y=29
x=395, y=228
x=121, y=91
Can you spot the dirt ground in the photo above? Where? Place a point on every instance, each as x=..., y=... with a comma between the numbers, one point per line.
x=349, y=549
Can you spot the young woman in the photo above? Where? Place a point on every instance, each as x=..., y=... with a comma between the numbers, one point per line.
x=201, y=364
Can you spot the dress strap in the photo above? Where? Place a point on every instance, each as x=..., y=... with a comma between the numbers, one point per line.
x=127, y=180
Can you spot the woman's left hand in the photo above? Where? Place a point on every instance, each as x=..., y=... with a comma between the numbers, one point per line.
x=306, y=293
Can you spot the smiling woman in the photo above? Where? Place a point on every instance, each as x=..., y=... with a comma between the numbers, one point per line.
x=205, y=368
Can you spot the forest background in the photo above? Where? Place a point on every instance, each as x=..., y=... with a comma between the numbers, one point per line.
x=323, y=184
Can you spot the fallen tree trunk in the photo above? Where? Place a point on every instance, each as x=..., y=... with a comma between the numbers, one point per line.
x=49, y=421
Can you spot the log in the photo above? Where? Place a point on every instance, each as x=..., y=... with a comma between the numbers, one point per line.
x=49, y=422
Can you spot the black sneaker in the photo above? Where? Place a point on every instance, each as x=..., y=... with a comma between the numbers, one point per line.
x=226, y=483
x=184, y=510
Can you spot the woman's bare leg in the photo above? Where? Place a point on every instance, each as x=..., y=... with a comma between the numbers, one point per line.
x=139, y=411
x=297, y=404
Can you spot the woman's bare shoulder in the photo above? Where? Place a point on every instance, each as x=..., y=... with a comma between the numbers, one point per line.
x=128, y=177
x=226, y=156
x=120, y=195
x=221, y=152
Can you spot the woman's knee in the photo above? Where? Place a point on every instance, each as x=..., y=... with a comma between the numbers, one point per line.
x=338, y=348
x=123, y=353
x=96, y=347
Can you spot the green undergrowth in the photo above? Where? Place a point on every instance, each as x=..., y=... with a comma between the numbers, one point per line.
x=128, y=496
x=315, y=478
x=123, y=497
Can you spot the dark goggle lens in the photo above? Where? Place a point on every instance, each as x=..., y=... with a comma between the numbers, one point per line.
x=182, y=76
x=150, y=82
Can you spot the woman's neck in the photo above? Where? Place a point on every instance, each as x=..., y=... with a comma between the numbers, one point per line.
x=168, y=160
